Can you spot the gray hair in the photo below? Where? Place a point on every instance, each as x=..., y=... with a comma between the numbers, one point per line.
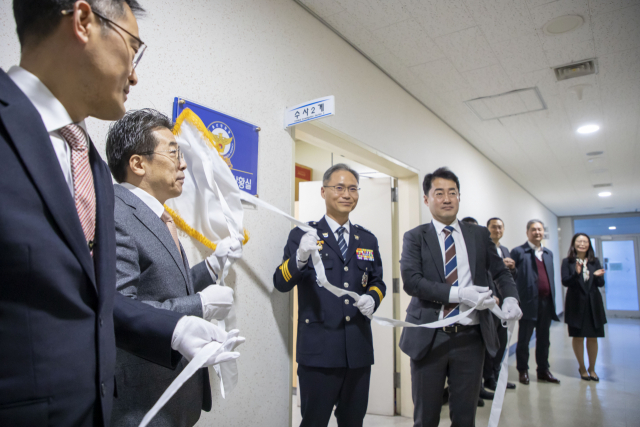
x=338, y=167
x=534, y=221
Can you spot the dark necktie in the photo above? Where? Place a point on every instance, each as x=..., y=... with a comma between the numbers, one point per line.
x=341, y=243
x=450, y=269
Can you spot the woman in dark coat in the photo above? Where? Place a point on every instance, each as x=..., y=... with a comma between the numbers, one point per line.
x=584, y=312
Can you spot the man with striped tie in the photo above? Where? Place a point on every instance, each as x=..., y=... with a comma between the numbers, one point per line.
x=445, y=267
x=335, y=345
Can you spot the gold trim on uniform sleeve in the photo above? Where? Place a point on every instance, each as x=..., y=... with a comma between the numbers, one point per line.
x=284, y=268
x=378, y=291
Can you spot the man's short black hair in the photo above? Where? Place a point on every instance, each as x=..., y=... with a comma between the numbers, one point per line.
x=133, y=134
x=495, y=218
x=442, y=172
x=469, y=220
x=36, y=19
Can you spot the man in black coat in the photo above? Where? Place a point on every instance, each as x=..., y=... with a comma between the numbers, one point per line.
x=60, y=315
x=446, y=266
x=335, y=344
x=536, y=287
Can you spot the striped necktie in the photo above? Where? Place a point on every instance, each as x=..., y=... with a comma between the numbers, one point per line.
x=450, y=268
x=341, y=243
x=83, y=192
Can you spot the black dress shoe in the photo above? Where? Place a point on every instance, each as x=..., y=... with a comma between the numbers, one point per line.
x=486, y=395
x=511, y=386
x=584, y=377
x=547, y=377
x=480, y=403
x=594, y=377
x=524, y=377
x=490, y=384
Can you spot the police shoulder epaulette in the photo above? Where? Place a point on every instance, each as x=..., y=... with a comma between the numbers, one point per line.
x=362, y=228
x=314, y=224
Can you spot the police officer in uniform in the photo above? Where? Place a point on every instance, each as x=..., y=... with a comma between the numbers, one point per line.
x=335, y=345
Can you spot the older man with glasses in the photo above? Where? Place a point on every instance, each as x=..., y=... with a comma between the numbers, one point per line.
x=60, y=315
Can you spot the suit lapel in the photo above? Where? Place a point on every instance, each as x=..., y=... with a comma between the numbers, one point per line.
x=330, y=240
x=433, y=244
x=548, y=261
x=33, y=144
x=470, y=243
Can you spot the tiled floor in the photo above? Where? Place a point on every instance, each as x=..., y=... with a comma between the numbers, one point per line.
x=612, y=402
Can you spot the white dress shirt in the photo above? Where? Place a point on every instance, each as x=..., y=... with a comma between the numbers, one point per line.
x=537, y=250
x=53, y=114
x=464, y=271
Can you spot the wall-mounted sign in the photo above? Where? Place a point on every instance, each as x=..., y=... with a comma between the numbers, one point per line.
x=308, y=111
x=237, y=141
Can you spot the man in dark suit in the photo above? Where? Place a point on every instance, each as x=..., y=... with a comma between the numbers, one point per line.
x=335, y=344
x=61, y=317
x=492, y=364
x=152, y=266
x=445, y=267
x=536, y=287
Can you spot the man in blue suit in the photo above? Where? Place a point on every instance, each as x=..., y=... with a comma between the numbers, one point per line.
x=335, y=345
x=536, y=287
x=60, y=315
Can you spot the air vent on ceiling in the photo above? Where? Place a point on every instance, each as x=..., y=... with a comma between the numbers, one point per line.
x=595, y=153
x=601, y=185
x=577, y=69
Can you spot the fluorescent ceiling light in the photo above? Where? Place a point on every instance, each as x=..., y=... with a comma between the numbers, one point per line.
x=612, y=227
x=588, y=128
x=604, y=194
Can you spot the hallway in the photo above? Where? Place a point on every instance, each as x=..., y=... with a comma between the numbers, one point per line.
x=612, y=402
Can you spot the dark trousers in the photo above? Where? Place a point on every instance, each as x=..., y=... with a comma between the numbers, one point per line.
x=322, y=388
x=458, y=356
x=491, y=368
x=525, y=330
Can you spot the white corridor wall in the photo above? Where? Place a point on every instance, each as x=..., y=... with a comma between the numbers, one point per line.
x=251, y=59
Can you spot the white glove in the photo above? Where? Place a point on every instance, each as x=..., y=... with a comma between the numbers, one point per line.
x=192, y=333
x=308, y=244
x=216, y=302
x=511, y=309
x=366, y=304
x=470, y=295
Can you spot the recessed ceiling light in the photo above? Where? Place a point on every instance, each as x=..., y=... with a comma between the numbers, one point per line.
x=562, y=24
x=604, y=194
x=613, y=227
x=588, y=128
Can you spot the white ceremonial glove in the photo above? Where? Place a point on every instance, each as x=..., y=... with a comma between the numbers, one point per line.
x=487, y=304
x=308, y=244
x=192, y=333
x=366, y=305
x=216, y=302
x=470, y=295
x=511, y=309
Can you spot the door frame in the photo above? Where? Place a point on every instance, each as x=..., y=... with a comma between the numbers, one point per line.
x=406, y=215
x=599, y=254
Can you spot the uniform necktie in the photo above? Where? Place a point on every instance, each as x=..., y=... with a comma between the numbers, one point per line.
x=450, y=268
x=341, y=243
x=83, y=191
x=166, y=218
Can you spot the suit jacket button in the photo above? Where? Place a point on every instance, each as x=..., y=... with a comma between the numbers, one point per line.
x=346, y=284
x=348, y=319
x=103, y=389
x=346, y=301
x=306, y=321
x=346, y=268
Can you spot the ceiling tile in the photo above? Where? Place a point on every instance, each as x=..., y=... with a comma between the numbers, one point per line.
x=617, y=31
x=375, y=14
x=561, y=53
x=467, y=49
x=441, y=76
x=601, y=6
x=409, y=42
x=350, y=28
x=323, y=8
x=519, y=55
x=501, y=19
x=490, y=80
x=536, y=3
x=392, y=65
x=619, y=67
x=440, y=17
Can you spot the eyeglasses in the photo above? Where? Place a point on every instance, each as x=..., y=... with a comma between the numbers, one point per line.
x=137, y=56
x=174, y=154
x=340, y=189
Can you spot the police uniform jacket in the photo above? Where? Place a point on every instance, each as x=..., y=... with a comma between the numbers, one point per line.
x=332, y=333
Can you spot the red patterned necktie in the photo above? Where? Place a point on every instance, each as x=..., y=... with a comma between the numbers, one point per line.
x=84, y=192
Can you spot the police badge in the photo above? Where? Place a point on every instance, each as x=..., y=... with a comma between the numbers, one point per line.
x=365, y=279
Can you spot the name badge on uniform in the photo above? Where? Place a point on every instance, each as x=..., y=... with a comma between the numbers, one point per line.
x=364, y=254
x=365, y=279
x=325, y=235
